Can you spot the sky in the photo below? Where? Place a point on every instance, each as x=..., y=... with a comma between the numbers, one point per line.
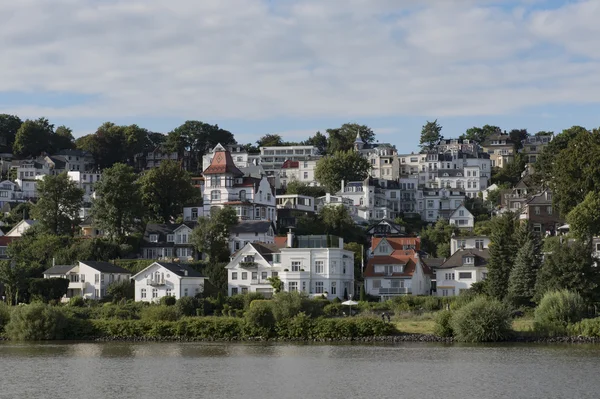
x=294, y=67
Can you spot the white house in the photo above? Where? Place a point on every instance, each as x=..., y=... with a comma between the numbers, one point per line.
x=302, y=171
x=20, y=228
x=167, y=279
x=434, y=204
x=462, y=218
x=316, y=265
x=9, y=192
x=373, y=199
x=86, y=182
x=168, y=241
x=477, y=242
x=247, y=231
x=461, y=270
x=395, y=268
x=252, y=198
x=89, y=279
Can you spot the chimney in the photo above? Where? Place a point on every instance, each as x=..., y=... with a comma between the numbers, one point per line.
x=290, y=238
x=343, y=185
x=341, y=242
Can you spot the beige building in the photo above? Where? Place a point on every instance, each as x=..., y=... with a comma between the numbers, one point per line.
x=500, y=148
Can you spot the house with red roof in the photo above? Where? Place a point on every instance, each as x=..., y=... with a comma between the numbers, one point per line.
x=395, y=268
x=253, y=198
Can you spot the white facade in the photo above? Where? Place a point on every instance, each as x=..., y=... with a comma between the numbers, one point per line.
x=434, y=204
x=302, y=171
x=89, y=279
x=167, y=279
x=248, y=231
x=272, y=158
x=459, y=272
x=336, y=200
x=317, y=271
x=86, y=182
x=20, y=228
x=373, y=199
x=477, y=242
x=241, y=157
x=192, y=213
x=9, y=192
x=462, y=218
x=298, y=202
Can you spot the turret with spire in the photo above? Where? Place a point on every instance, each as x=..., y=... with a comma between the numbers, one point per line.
x=358, y=142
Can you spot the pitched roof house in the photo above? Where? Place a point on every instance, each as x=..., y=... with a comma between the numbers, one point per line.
x=168, y=241
x=167, y=279
x=462, y=218
x=463, y=268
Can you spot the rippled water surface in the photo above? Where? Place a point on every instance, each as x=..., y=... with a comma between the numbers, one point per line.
x=253, y=371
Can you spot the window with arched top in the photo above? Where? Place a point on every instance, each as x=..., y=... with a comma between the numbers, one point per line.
x=243, y=195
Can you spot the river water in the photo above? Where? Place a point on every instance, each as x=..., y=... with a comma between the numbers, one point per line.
x=254, y=370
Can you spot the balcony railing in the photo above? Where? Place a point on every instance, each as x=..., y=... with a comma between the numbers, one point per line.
x=155, y=283
x=399, y=290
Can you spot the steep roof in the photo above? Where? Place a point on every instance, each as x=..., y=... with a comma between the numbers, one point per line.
x=180, y=269
x=398, y=243
x=456, y=260
x=222, y=162
x=281, y=241
x=162, y=230
x=105, y=267
x=251, y=226
x=542, y=198
x=408, y=260
x=433, y=262
x=463, y=207
x=59, y=269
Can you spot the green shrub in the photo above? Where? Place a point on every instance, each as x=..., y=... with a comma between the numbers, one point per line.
x=556, y=311
x=287, y=305
x=187, y=305
x=482, y=320
x=586, y=328
x=4, y=315
x=76, y=301
x=314, y=307
x=36, y=322
x=248, y=298
x=260, y=319
x=431, y=304
x=337, y=300
x=237, y=301
x=122, y=312
x=442, y=324
x=332, y=310
x=299, y=326
x=159, y=313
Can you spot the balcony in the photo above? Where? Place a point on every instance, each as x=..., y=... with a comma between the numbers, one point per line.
x=260, y=281
x=155, y=283
x=248, y=265
x=394, y=291
x=76, y=285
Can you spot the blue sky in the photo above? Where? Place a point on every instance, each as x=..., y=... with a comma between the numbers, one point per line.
x=295, y=67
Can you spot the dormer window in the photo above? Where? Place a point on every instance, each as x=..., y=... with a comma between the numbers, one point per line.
x=153, y=237
x=170, y=238
x=248, y=259
x=469, y=260
x=383, y=248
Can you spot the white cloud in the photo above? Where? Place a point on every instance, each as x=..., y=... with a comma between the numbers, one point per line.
x=255, y=59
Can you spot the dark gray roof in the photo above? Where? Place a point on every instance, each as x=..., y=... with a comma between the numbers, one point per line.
x=180, y=269
x=433, y=262
x=105, y=267
x=456, y=260
x=59, y=269
x=76, y=153
x=450, y=172
x=251, y=226
x=162, y=230
x=59, y=161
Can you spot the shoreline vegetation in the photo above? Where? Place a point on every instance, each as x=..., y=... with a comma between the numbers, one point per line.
x=292, y=317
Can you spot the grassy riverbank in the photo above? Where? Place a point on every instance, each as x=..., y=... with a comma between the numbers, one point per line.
x=425, y=324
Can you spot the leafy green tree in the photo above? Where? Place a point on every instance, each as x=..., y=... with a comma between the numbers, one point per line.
x=576, y=171
x=300, y=188
x=434, y=238
x=431, y=134
x=34, y=251
x=511, y=173
x=13, y=277
x=358, y=259
x=319, y=140
x=270, y=140
x=523, y=276
x=121, y=290
x=211, y=235
x=343, y=138
x=363, y=296
x=62, y=139
x=517, y=136
x=480, y=134
x=48, y=289
x=9, y=126
x=33, y=137
x=502, y=250
x=584, y=219
x=57, y=208
x=117, y=208
x=570, y=267
x=197, y=138
x=165, y=190
x=276, y=283
x=347, y=166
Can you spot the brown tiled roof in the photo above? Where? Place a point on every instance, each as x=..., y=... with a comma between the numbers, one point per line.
x=397, y=243
x=222, y=162
x=281, y=241
x=408, y=271
x=456, y=260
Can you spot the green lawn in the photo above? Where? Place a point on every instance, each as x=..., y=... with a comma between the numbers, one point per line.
x=425, y=326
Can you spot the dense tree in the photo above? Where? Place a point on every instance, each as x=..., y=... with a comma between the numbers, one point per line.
x=502, y=253
x=544, y=164
x=122, y=290
x=343, y=138
x=117, y=208
x=210, y=237
x=511, y=173
x=270, y=140
x=33, y=137
x=9, y=126
x=358, y=250
x=35, y=251
x=62, y=139
x=347, y=166
x=571, y=267
x=431, y=134
x=517, y=136
x=57, y=208
x=319, y=140
x=48, y=289
x=197, y=138
x=480, y=134
x=13, y=277
x=584, y=219
x=300, y=188
x=165, y=190
x=523, y=276
x=437, y=238
x=576, y=171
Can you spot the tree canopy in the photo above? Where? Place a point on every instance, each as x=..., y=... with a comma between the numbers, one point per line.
x=347, y=166
x=210, y=237
x=343, y=138
x=37, y=136
x=9, y=126
x=319, y=140
x=57, y=208
x=431, y=134
x=480, y=134
x=502, y=250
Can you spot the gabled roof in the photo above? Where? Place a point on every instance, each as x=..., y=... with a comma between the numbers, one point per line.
x=162, y=230
x=433, y=263
x=463, y=207
x=222, y=162
x=104, y=267
x=263, y=249
x=540, y=198
x=179, y=269
x=456, y=260
x=28, y=222
x=398, y=243
x=408, y=259
x=59, y=269
x=251, y=226
x=399, y=229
